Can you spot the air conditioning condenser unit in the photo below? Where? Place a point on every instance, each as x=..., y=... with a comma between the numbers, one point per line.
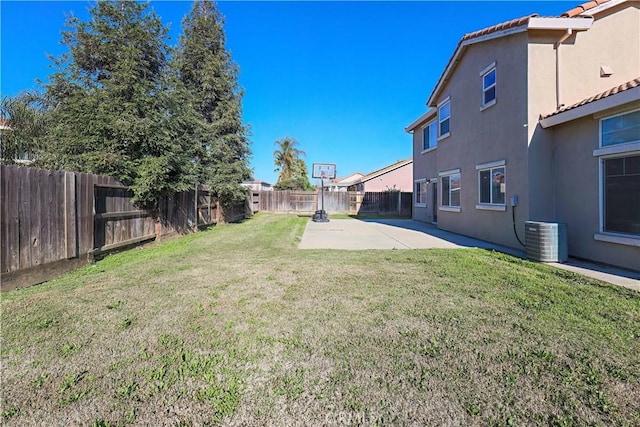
x=546, y=241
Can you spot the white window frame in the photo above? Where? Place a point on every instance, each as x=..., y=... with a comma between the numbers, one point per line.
x=427, y=126
x=449, y=174
x=626, y=149
x=492, y=206
x=488, y=69
x=416, y=202
x=441, y=105
x=623, y=144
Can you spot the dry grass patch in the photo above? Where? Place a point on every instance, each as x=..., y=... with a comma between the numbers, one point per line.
x=235, y=326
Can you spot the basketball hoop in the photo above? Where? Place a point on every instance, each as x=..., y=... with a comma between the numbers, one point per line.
x=323, y=171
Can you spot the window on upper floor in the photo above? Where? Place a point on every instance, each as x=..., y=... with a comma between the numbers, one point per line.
x=489, y=86
x=450, y=189
x=421, y=193
x=620, y=129
x=444, y=118
x=430, y=136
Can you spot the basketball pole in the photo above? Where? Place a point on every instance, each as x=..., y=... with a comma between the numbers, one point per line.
x=322, y=189
x=322, y=171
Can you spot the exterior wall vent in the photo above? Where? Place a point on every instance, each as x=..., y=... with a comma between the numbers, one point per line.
x=546, y=241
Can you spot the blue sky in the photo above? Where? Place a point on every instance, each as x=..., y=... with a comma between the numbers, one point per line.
x=343, y=78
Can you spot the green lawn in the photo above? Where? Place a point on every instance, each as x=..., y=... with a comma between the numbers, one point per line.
x=236, y=326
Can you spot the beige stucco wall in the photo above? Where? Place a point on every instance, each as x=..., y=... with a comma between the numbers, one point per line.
x=538, y=169
x=495, y=134
x=400, y=179
x=541, y=88
x=577, y=181
x=424, y=167
x=613, y=40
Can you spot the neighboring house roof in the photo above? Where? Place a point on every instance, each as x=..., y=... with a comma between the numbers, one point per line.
x=250, y=182
x=4, y=124
x=387, y=169
x=616, y=96
x=348, y=180
x=531, y=22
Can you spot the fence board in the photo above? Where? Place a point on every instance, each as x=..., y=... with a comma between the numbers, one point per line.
x=24, y=232
x=4, y=212
x=70, y=215
x=59, y=202
x=36, y=219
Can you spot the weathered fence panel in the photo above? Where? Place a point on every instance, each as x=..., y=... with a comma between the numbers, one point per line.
x=117, y=221
x=387, y=202
x=53, y=221
x=351, y=202
x=288, y=201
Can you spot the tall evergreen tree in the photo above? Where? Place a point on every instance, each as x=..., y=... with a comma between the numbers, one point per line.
x=204, y=66
x=114, y=109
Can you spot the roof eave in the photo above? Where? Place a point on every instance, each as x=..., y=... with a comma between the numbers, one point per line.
x=420, y=120
x=613, y=101
x=432, y=101
x=534, y=23
x=576, y=24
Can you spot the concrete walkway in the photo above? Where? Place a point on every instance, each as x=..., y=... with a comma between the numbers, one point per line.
x=354, y=234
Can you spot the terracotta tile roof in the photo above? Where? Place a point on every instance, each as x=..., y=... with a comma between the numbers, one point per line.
x=625, y=86
x=498, y=27
x=582, y=8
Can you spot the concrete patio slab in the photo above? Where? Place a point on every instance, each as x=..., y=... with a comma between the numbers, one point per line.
x=354, y=234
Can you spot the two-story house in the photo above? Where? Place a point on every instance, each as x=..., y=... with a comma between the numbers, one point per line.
x=538, y=119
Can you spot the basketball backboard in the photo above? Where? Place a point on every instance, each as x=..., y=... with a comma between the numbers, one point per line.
x=324, y=170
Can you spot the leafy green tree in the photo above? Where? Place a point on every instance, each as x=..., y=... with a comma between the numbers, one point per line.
x=293, y=170
x=116, y=110
x=24, y=125
x=210, y=77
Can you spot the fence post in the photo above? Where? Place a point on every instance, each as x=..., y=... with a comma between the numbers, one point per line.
x=196, y=210
x=71, y=216
x=218, y=213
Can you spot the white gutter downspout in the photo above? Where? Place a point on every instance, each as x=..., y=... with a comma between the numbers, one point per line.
x=558, y=43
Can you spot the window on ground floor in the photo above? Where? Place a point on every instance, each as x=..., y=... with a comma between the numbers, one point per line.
x=621, y=195
x=421, y=193
x=492, y=185
x=450, y=190
x=620, y=129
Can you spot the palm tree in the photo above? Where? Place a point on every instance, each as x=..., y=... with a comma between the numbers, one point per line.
x=23, y=125
x=286, y=157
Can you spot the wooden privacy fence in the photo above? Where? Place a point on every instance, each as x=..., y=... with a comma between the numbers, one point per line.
x=54, y=221
x=350, y=202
